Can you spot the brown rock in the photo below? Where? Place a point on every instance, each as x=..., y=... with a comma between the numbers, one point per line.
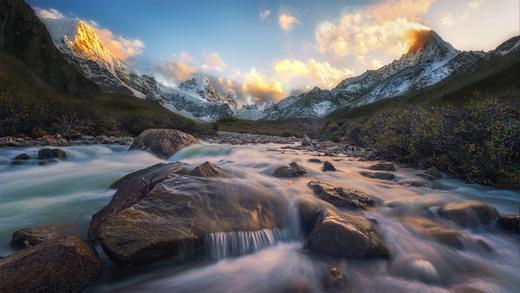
x=469, y=214
x=341, y=196
x=46, y=153
x=28, y=237
x=162, y=142
x=382, y=167
x=293, y=170
x=378, y=175
x=207, y=169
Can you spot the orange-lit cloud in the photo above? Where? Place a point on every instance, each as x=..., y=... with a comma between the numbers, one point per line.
x=381, y=27
x=178, y=69
x=287, y=22
x=121, y=47
x=311, y=73
x=260, y=87
x=213, y=62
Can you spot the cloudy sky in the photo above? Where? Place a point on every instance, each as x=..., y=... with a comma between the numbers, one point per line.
x=269, y=49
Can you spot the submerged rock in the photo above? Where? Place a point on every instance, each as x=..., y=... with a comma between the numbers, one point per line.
x=293, y=170
x=314, y=160
x=17, y=162
x=469, y=214
x=208, y=169
x=174, y=213
x=341, y=196
x=47, y=162
x=22, y=156
x=63, y=265
x=28, y=237
x=415, y=268
x=162, y=142
x=45, y=154
x=382, y=167
x=345, y=235
x=327, y=166
x=509, y=223
x=433, y=173
x=378, y=175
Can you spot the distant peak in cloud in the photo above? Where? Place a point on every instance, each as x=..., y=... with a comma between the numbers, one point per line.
x=287, y=22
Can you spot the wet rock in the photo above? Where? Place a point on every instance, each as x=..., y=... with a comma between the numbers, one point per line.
x=207, y=169
x=509, y=223
x=54, y=140
x=130, y=190
x=314, y=160
x=63, y=265
x=162, y=142
x=17, y=162
x=327, y=166
x=412, y=268
x=28, y=237
x=308, y=212
x=378, y=175
x=433, y=172
x=293, y=170
x=469, y=214
x=436, y=231
x=382, y=167
x=307, y=141
x=47, y=162
x=22, y=156
x=172, y=214
x=341, y=196
x=345, y=235
x=335, y=280
x=46, y=153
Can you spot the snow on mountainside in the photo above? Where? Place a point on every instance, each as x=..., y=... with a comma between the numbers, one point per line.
x=196, y=98
x=428, y=62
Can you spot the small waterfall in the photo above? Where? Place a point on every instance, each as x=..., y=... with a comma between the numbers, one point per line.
x=228, y=244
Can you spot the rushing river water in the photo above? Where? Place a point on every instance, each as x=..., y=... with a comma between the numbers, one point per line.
x=271, y=260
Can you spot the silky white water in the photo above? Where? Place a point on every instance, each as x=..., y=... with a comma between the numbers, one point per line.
x=259, y=261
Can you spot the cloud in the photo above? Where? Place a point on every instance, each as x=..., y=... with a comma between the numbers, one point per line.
x=260, y=87
x=474, y=5
x=121, y=47
x=213, y=62
x=448, y=19
x=376, y=64
x=265, y=14
x=381, y=27
x=287, y=22
x=50, y=13
x=178, y=68
x=312, y=73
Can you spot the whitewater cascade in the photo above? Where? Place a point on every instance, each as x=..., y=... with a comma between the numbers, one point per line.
x=228, y=244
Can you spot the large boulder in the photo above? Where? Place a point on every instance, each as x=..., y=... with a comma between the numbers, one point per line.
x=293, y=170
x=46, y=153
x=172, y=214
x=162, y=142
x=63, y=265
x=345, y=235
x=341, y=196
x=469, y=214
x=28, y=237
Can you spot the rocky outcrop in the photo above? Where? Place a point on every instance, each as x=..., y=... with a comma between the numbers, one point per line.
x=327, y=166
x=168, y=215
x=45, y=154
x=63, y=265
x=382, y=167
x=469, y=214
x=341, y=196
x=162, y=142
x=345, y=235
x=293, y=170
x=25, y=37
x=378, y=175
x=28, y=237
x=208, y=169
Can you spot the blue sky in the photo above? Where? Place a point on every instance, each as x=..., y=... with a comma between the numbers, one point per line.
x=287, y=44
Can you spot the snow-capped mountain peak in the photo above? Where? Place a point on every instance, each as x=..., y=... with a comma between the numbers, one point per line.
x=202, y=86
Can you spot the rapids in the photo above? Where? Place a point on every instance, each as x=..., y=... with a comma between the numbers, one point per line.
x=267, y=260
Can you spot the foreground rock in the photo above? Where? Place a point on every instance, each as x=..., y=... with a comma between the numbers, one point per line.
x=64, y=265
x=327, y=166
x=45, y=154
x=509, y=223
x=378, y=175
x=162, y=142
x=341, y=196
x=28, y=237
x=382, y=167
x=169, y=215
x=345, y=235
x=469, y=214
x=293, y=170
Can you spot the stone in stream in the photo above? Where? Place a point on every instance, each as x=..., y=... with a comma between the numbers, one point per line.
x=163, y=143
x=28, y=237
x=382, y=167
x=509, y=223
x=314, y=160
x=433, y=173
x=293, y=170
x=46, y=153
x=167, y=215
x=341, y=196
x=60, y=265
x=469, y=214
x=47, y=162
x=345, y=235
x=17, y=162
x=378, y=175
x=208, y=169
x=22, y=156
x=327, y=166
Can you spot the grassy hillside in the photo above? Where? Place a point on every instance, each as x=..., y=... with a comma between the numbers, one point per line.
x=29, y=106
x=468, y=125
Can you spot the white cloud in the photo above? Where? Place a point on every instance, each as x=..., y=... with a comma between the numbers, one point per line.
x=474, y=4
x=287, y=22
x=265, y=14
x=50, y=13
x=213, y=62
x=448, y=19
x=299, y=73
